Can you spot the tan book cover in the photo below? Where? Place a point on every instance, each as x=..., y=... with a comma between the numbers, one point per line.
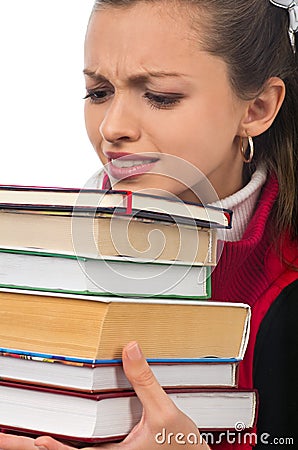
x=106, y=235
x=97, y=329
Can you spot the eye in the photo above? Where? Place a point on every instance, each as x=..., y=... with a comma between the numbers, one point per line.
x=99, y=95
x=162, y=101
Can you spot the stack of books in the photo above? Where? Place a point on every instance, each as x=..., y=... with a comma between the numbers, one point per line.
x=79, y=280
x=101, y=243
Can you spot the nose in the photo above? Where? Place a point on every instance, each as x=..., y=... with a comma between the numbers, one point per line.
x=120, y=122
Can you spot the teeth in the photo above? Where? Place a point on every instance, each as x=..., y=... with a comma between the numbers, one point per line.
x=122, y=163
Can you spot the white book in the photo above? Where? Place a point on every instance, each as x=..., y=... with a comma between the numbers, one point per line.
x=79, y=375
x=104, y=416
x=53, y=272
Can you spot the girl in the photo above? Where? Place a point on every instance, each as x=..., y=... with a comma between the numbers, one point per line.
x=213, y=82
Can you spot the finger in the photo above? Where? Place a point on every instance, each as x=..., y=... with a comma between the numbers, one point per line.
x=48, y=443
x=142, y=379
x=11, y=442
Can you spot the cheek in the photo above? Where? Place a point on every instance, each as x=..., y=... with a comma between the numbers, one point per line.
x=199, y=138
x=209, y=134
x=88, y=122
x=185, y=135
x=92, y=124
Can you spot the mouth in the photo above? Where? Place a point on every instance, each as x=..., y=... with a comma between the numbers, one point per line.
x=122, y=166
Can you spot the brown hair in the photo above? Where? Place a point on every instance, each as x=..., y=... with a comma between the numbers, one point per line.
x=252, y=38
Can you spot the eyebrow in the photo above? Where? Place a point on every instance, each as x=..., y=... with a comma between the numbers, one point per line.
x=138, y=78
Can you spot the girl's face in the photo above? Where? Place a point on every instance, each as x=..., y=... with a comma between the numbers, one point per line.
x=154, y=95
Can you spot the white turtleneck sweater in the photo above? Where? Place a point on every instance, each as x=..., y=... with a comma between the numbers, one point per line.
x=242, y=203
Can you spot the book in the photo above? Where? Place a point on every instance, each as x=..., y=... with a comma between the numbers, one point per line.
x=94, y=377
x=125, y=202
x=103, y=235
x=97, y=328
x=110, y=416
x=71, y=274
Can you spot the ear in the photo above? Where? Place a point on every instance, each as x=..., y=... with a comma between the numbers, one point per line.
x=262, y=110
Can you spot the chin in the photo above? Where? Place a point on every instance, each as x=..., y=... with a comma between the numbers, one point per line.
x=156, y=185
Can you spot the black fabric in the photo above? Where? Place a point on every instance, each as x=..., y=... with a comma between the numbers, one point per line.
x=276, y=373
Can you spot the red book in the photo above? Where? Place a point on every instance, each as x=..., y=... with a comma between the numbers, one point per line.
x=93, y=418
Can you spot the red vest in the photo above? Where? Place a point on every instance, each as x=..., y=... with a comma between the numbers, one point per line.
x=250, y=271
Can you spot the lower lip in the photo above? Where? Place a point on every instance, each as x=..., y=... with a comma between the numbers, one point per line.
x=120, y=173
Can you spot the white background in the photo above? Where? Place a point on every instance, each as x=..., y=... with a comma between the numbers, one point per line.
x=42, y=135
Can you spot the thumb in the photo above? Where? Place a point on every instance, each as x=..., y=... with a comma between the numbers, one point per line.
x=152, y=396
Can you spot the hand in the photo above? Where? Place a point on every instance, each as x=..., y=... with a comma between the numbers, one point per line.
x=159, y=413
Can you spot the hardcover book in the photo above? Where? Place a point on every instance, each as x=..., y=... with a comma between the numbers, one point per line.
x=122, y=202
x=110, y=416
x=103, y=235
x=99, y=327
x=77, y=275
x=98, y=376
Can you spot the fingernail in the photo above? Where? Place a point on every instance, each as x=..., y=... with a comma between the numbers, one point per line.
x=133, y=351
x=41, y=447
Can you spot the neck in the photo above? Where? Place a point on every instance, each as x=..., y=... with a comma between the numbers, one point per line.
x=222, y=182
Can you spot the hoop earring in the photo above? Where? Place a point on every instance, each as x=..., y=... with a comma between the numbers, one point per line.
x=251, y=149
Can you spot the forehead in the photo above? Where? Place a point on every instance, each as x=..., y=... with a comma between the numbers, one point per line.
x=139, y=35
